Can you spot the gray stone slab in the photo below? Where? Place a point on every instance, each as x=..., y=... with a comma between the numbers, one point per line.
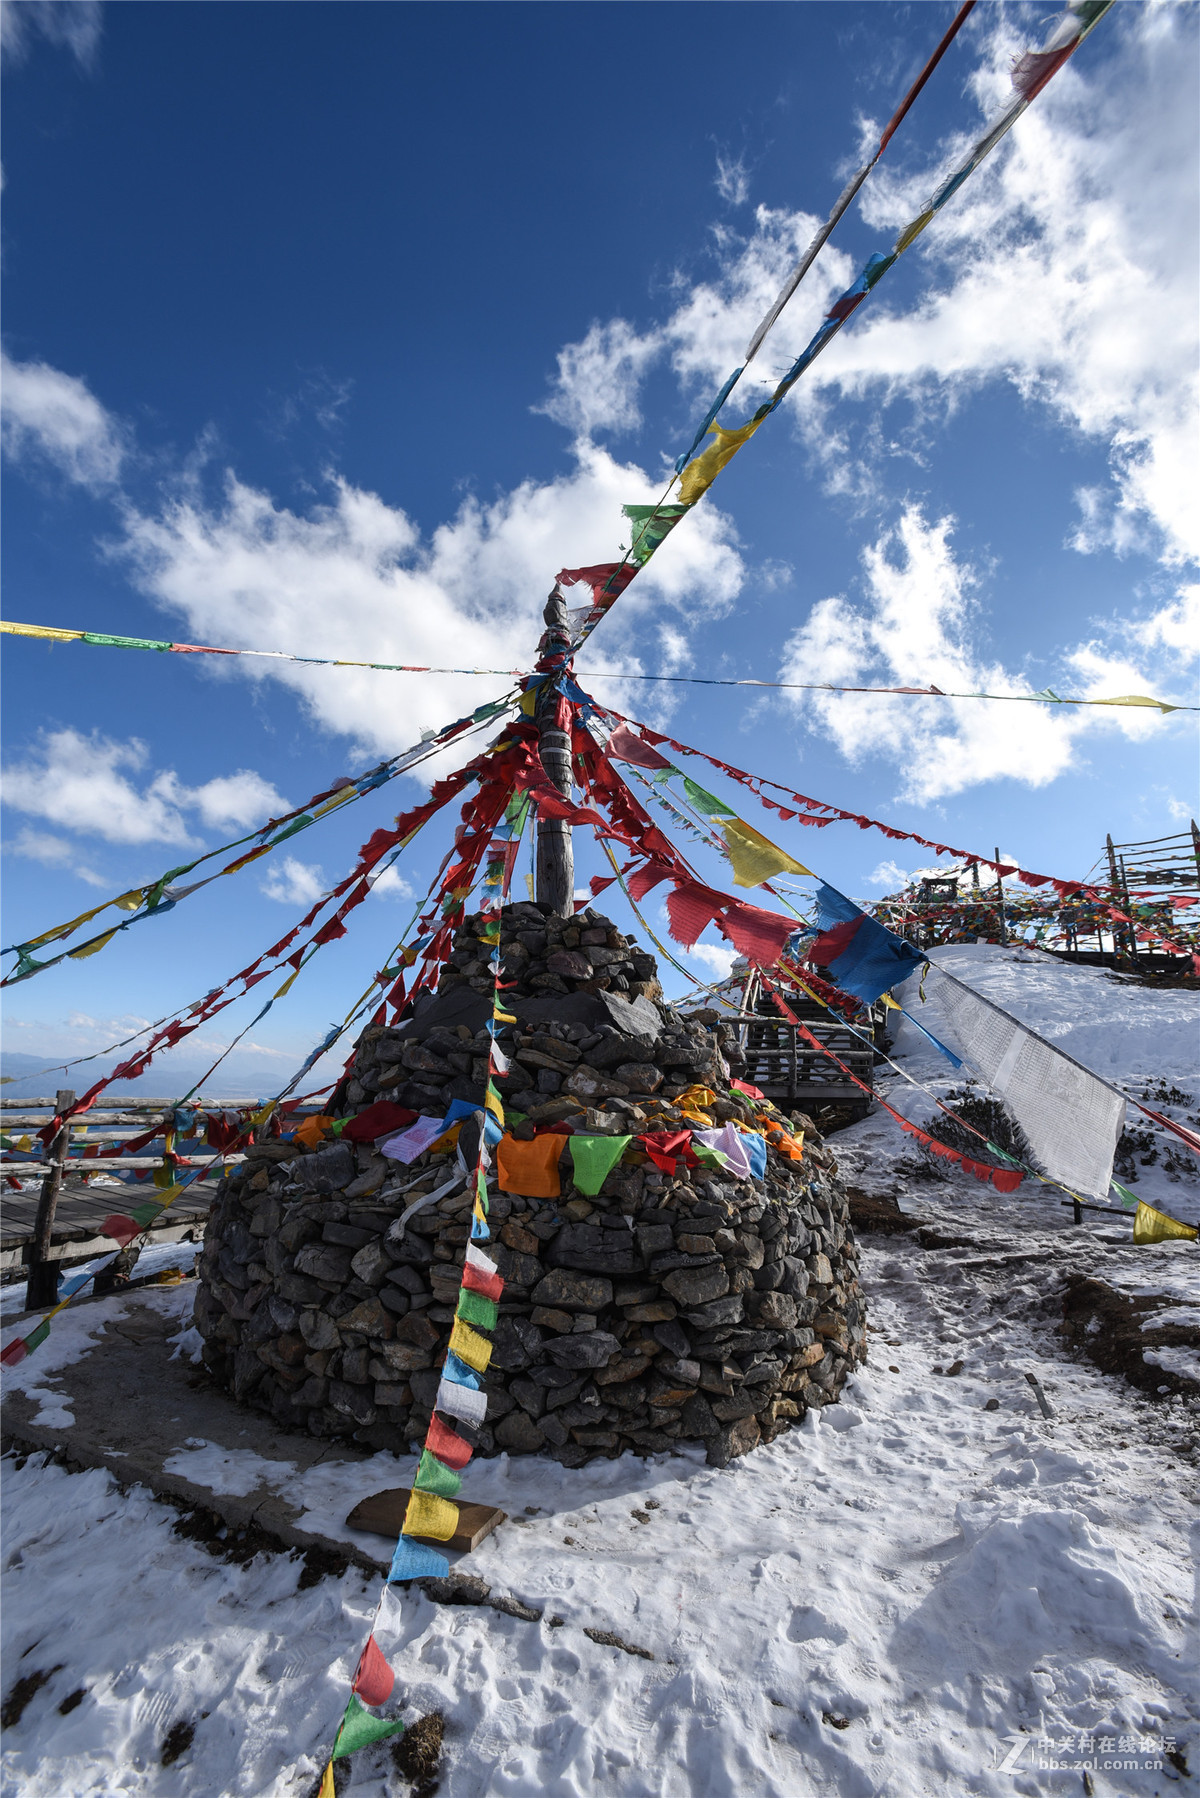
x=136, y=1408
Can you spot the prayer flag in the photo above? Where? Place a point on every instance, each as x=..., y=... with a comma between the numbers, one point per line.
x=374, y=1680
x=442, y=1441
x=650, y=525
x=473, y=1308
x=327, y=1788
x=470, y=1347
x=359, y=1729
x=699, y=476
x=463, y=1402
x=428, y=1515
x=593, y=1159
x=624, y=745
x=433, y=1476
x=414, y=1141
x=529, y=1168
x=862, y=957
x=413, y=1560
x=1155, y=1226
x=121, y=1229
x=754, y=857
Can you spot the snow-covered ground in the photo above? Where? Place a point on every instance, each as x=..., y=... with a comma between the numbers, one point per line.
x=910, y=1594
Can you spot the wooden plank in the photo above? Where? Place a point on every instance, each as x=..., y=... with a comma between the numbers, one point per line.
x=383, y=1513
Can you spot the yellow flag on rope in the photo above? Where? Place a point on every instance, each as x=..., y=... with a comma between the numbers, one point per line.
x=470, y=1346
x=428, y=1515
x=1155, y=1226
x=699, y=476
x=1138, y=699
x=93, y=948
x=328, y=1788
x=755, y=858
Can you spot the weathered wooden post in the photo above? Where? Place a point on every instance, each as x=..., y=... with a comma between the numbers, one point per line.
x=555, y=855
x=42, y=1287
x=1000, y=900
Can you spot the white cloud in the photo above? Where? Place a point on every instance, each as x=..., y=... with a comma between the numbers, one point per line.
x=52, y=852
x=888, y=874
x=72, y=24
x=716, y=956
x=732, y=180
x=1065, y=266
x=82, y=784
x=914, y=630
x=353, y=578
x=293, y=882
x=391, y=884
x=598, y=380
x=53, y=415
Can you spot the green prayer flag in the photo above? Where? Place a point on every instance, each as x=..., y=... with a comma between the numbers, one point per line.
x=359, y=1729
x=650, y=525
x=145, y=1214
x=434, y=1476
x=705, y=802
x=36, y=1337
x=594, y=1158
x=473, y=1308
x=709, y=1157
x=1129, y=1200
x=101, y=641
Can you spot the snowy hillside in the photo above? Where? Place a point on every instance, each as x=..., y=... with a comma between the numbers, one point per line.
x=931, y=1588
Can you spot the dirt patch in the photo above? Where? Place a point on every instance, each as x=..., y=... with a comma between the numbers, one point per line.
x=417, y=1756
x=872, y=1215
x=25, y=1689
x=226, y=1541
x=1115, y=1330
x=177, y=1741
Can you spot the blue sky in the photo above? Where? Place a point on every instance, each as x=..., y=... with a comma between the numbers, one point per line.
x=339, y=328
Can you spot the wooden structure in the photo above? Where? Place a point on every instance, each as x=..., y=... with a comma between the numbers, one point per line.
x=792, y=1073
x=47, y=1228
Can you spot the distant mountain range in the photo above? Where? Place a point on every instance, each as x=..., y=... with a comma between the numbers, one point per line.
x=240, y=1078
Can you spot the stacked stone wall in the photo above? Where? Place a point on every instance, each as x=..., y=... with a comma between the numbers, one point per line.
x=664, y=1309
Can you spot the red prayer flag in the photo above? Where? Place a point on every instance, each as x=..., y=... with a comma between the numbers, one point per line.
x=121, y=1229
x=743, y=1086
x=447, y=1444
x=489, y=1286
x=15, y=1352
x=627, y=746
x=379, y=1119
x=374, y=1680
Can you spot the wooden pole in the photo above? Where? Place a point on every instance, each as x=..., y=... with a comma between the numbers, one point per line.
x=1000, y=899
x=555, y=881
x=42, y=1287
x=1118, y=930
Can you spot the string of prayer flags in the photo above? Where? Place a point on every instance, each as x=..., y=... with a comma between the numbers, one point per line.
x=1155, y=1226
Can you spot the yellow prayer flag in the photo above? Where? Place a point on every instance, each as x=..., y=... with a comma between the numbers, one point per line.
x=428, y=1515
x=327, y=1788
x=755, y=858
x=25, y=1142
x=911, y=232
x=697, y=1096
x=286, y=987
x=130, y=901
x=1138, y=699
x=93, y=948
x=470, y=1346
x=61, y=930
x=1155, y=1226
x=699, y=475
x=42, y=630
x=491, y=1099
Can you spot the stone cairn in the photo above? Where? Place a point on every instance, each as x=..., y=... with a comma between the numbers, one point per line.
x=696, y=1308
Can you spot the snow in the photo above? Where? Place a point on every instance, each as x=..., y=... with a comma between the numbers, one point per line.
x=951, y=1583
